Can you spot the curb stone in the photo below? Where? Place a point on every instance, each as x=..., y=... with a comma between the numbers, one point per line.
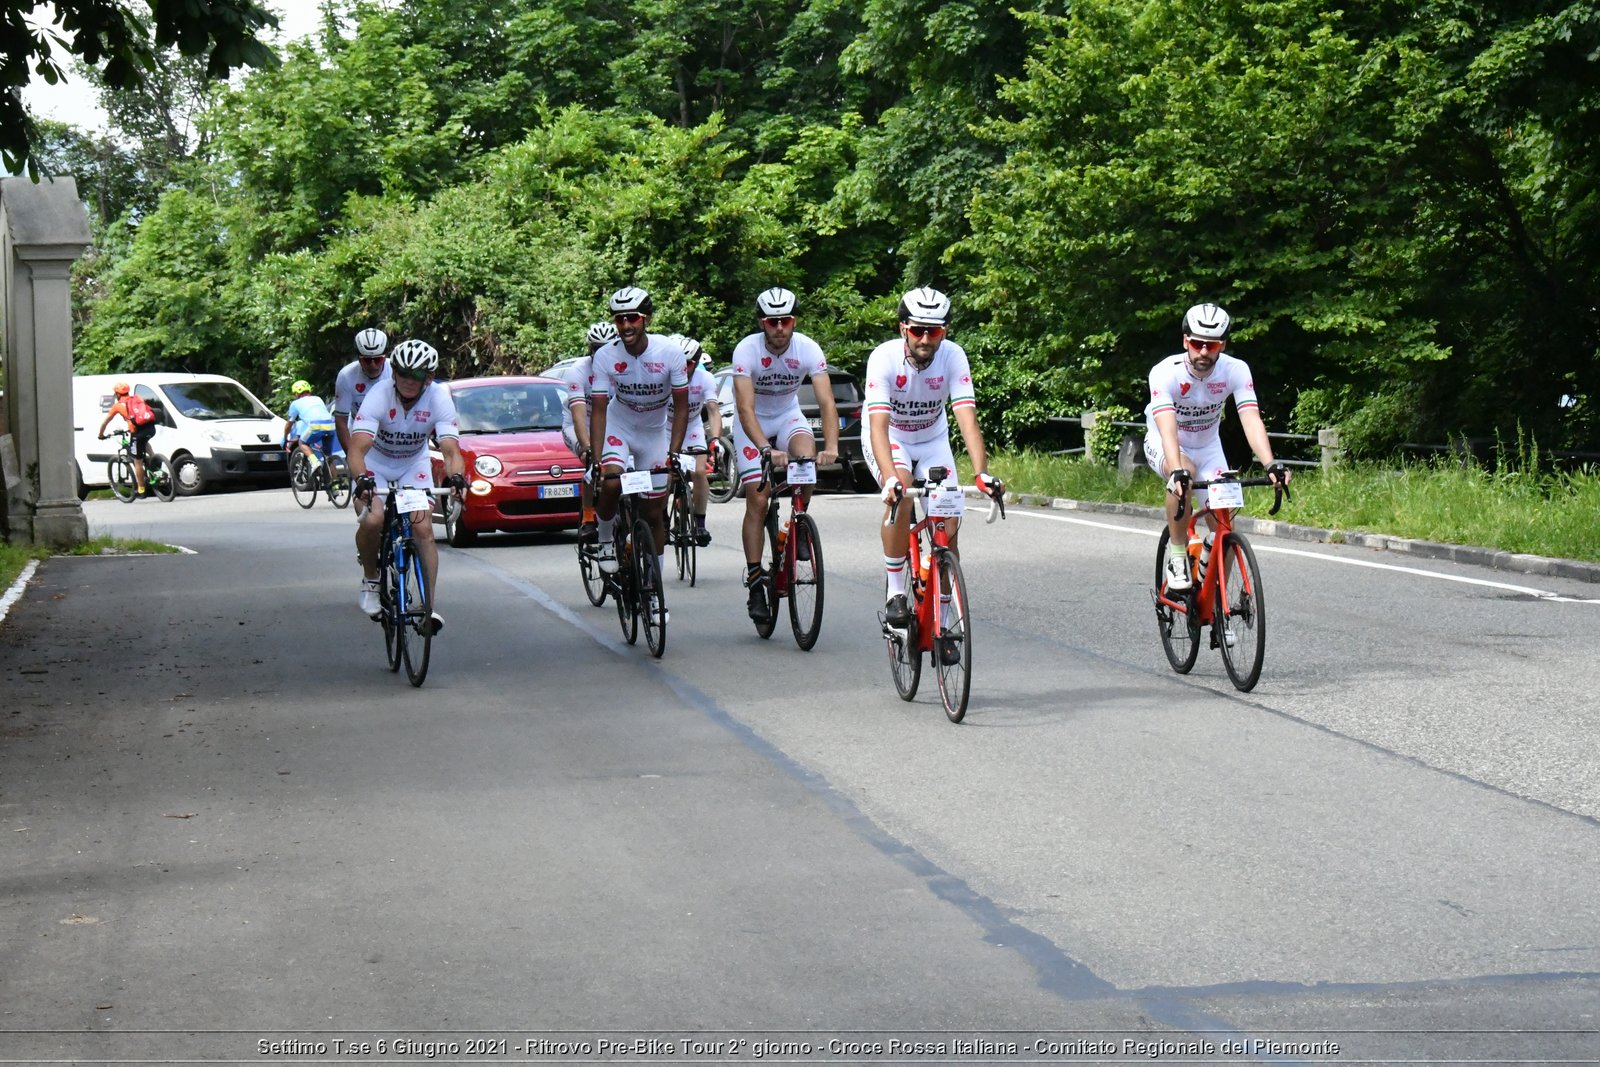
x=1472, y=555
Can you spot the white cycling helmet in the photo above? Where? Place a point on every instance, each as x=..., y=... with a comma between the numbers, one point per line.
x=775, y=303
x=925, y=307
x=371, y=342
x=691, y=349
x=414, y=356
x=1206, y=322
x=602, y=333
x=631, y=298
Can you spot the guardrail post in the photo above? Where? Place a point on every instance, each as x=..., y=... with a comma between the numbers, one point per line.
x=1328, y=440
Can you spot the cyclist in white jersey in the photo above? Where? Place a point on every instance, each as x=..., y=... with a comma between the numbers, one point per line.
x=639, y=408
x=703, y=411
x=575, y=417
x=357, y=378
x=1183, y=440
x=908, y=382
x=768, y=368
x=389, y=451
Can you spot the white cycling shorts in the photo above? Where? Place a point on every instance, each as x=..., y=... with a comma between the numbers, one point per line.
x=916, y=457
x=647, y=445
x=784, y=426
x=1208, y=460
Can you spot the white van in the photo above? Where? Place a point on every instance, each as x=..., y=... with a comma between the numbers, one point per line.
x=212, y=429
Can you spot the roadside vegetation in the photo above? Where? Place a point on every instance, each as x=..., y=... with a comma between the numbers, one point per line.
x=15, y=557
x=1515, y=507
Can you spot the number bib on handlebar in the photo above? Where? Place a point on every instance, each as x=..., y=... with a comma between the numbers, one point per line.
x=635, y=482
x=409, y=500
x=1224, y=496
x=802, y=474
x=946, y=501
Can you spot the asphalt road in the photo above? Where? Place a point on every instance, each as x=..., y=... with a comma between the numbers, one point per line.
x=225, y=824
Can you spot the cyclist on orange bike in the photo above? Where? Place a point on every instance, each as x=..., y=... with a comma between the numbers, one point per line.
x=768, y=368
x=908, y=382
x=140, y=420
x=1182, y=440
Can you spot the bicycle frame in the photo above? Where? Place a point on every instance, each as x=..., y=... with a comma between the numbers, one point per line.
x=783, y=569
x=934, y=530
x=1204, y=586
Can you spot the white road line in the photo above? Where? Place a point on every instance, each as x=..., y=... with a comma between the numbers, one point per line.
x=15, y=592
x=1542, y=594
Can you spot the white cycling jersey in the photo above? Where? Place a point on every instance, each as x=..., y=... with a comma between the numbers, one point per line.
x=702, y=387
x=577, y=379
x=915, y=399
x=641, y=384
x=401, y=434
x=776, y=379
x=352, y=385
x=1198, y=402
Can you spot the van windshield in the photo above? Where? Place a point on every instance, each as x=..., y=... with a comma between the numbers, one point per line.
x=215, y=400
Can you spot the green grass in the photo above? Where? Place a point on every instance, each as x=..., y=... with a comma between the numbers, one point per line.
x=1513, y=508
x=15, y=557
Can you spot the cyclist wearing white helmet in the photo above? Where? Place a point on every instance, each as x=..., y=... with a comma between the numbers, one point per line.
x=389, y=452
x=768, y=369
x=704, y=412
x=1183, y=421
x=575, y=419
x=357, y=378
x=639, y=410
x=908, y=382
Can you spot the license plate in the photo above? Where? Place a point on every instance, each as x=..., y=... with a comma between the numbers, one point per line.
x=552, y=492
x=816, y=424
x=271, y=457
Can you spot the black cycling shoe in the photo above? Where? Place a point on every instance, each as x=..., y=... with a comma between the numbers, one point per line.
x=588, y=533
x=759, y=610
x=897, y=612
x=702, y=536
x=950, y=651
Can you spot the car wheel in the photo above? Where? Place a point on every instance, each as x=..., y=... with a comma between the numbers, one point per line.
x=79, y=488
x=191, y=480
x=455, y=526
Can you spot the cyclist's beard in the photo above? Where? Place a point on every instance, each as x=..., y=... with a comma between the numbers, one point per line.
x=1196, y=371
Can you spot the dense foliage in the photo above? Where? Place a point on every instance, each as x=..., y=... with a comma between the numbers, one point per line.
x=1398, y=203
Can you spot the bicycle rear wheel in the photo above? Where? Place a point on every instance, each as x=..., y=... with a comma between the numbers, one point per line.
x=680, y=533
x=905, y=659
x=724, y=477
x=805, y=581
x=1241, y=615
x=1180, y=630
x=594, y=582
x=158, y=476
x=389, y=597
x=769, y=577
x=338, y=476
x=302, y=479
x=952, y=639
x=418, y=620
x=626, y=591
x=652, y=590
x=119, y=472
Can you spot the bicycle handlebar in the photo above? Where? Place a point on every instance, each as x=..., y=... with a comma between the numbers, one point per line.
x=1280, y=492
x=997, y=505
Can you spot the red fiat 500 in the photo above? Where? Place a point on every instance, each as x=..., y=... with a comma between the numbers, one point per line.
x=520, y=474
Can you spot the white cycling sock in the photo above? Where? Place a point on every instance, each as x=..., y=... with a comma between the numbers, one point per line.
x=605, y=528
x=895, y=571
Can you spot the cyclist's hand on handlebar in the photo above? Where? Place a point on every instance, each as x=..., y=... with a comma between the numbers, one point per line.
x=1178, y=482
x=989, y=485
x=364, y=486
x=893, y=491
x=1279, y=475
x=457, y=482
x=825, y=457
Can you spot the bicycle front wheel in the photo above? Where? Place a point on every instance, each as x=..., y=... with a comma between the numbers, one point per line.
x=594, y=582
x=766, y=626
x=905, y=659
x=418, y=620
x=119, y=472
x=1241, y=616
x=652, y=590
x=681, y=534
x=390, y=595
x=302, y=480
x=626, y=591
x=158, y=476
x=805, y=580
x=952, y=635
x=1180, y=630
x=338, y=476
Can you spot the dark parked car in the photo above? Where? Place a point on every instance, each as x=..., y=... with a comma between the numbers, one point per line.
x=520, y=474
x=851, y=472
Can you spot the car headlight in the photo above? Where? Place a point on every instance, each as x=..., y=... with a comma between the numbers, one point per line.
x=479, y=487
x=488, y=466
x=217, y=437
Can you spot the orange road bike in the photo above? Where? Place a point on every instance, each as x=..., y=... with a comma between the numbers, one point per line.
x=941, y=619
x=1230, y=598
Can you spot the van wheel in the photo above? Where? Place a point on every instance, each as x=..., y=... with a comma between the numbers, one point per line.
x=190, y=478
x=77, y=483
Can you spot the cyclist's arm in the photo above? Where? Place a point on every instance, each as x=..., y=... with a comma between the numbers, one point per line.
x=454, y=461
x=972, y=437
x=579, y=406
x=680, y=419
x=597, y=422
x=878, y=428
x=341, y=427
x=356, y=453
x=106, y=422
x=713, y=411
x=1255, y=432
x=828, y=411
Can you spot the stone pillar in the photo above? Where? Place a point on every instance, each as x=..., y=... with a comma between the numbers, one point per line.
x=44, y=228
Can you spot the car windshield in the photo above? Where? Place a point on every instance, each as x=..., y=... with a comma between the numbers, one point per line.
x=510, y=407
x=215, y=400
